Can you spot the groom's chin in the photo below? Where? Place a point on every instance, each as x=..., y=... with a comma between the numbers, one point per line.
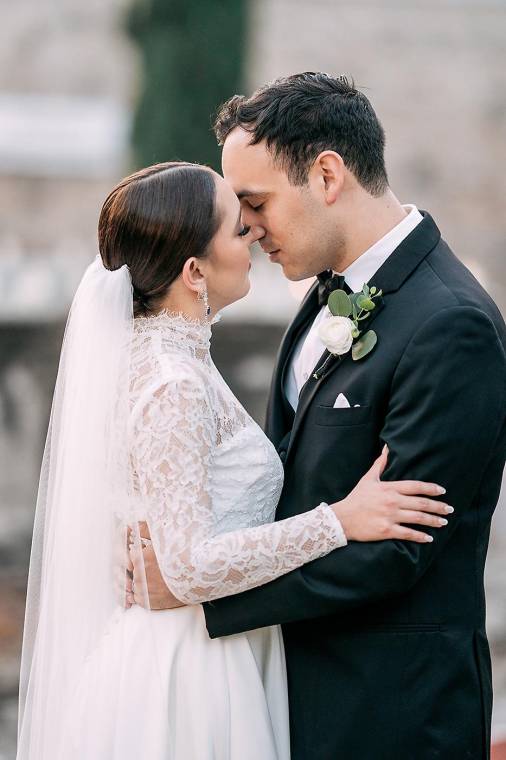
x=287, y=270
x=294, y=275
x=290, y=271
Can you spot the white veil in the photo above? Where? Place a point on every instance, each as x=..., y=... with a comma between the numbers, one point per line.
x=83, y=507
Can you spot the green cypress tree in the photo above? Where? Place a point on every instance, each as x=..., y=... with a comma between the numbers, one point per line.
x=192, y=52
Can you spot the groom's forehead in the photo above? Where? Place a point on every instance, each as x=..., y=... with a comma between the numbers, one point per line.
x=245, y=165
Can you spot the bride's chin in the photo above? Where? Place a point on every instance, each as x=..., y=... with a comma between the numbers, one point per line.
x=240, y=294
x=247, y=288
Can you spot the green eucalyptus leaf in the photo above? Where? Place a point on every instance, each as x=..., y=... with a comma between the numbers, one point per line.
x=364, y=302
x=339, y=303
x=365, y=289
x=373, y=290
x=363, y=346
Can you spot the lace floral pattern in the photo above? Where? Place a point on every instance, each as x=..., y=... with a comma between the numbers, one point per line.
x=206, y=478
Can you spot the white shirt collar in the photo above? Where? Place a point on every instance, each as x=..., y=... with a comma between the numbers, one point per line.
x=369, y=262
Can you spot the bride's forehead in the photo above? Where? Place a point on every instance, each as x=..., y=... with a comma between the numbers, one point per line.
x=226, y=198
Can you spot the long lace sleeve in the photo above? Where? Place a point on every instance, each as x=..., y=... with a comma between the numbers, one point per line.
x=174, y=439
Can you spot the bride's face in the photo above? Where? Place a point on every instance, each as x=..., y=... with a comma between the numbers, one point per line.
x=229, y=261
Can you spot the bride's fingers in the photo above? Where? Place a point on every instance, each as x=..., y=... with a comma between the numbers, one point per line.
x=137, y=557
x=417, y=487
x=141, y=601
x=379, y=464
x=425, y=505
x=413, y=517
x=409, y=534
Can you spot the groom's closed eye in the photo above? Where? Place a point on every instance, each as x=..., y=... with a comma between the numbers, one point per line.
x=255, y=200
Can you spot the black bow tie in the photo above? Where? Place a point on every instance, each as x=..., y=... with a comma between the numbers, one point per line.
x=327, y=282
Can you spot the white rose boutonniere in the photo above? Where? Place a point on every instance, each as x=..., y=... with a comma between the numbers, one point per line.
x=342, y=331
x=336, y=334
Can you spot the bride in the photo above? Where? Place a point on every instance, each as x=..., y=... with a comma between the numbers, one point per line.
x=144, y=432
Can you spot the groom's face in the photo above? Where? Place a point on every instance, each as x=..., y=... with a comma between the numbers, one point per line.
x=298, y=232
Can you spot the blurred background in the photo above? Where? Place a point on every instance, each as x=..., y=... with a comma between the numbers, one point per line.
x=90, y=91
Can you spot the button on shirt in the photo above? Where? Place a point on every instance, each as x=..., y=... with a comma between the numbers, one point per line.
x=310, y=348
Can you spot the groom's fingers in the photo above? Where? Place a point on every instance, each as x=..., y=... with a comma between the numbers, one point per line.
x=416, y=487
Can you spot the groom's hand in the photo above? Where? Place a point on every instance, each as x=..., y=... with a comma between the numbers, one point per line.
x=148, y=588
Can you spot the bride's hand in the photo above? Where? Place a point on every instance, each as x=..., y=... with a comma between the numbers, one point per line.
x=148, y=587
x=377, y=510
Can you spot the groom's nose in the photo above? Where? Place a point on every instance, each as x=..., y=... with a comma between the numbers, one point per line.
x=257, y=232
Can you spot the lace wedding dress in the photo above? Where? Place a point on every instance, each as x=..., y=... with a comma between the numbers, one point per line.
x=207, y=481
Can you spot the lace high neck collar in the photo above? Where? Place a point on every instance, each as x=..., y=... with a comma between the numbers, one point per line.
x=177, y=330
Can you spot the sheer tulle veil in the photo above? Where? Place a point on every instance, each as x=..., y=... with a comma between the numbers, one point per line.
x=75, y=587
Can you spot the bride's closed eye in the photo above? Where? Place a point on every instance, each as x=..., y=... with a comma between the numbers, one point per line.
x=244, y=231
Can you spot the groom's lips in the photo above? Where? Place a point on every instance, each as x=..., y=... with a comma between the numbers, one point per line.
x=271, y=254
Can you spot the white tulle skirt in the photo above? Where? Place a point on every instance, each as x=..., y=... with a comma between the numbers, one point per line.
x=158, y=688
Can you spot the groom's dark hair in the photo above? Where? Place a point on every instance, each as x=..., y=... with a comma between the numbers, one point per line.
x=304, y=114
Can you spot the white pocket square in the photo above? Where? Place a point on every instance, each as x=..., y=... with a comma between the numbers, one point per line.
x=342, y=402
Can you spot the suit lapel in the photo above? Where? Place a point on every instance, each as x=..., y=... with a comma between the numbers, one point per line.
x=307, y=310
x=407, y=256
x=335, y=361
x=389, y=278
x=277, y=423
x=305, y=316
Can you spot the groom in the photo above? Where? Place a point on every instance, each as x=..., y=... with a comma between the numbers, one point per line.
x=386, y=648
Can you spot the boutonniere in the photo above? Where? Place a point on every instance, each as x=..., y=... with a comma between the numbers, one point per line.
x=342, y=331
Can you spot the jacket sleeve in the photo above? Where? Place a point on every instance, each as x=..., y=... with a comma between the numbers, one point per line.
x=445, y=416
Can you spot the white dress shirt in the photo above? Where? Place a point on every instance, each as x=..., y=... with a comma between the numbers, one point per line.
x=310, y=348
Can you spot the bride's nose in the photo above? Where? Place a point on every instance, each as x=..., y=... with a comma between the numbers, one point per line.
x=256, y=232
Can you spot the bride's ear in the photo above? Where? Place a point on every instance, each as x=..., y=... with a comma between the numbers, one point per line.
x=192, y=274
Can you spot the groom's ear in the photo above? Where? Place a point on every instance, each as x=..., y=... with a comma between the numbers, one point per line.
x=328, y=172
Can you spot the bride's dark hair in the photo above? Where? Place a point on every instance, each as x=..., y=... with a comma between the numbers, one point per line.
x=153, y=221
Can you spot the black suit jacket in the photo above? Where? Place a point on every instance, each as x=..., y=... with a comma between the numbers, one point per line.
x=385, y=642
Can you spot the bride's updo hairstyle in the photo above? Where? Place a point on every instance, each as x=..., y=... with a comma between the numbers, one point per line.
x=153, y=221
